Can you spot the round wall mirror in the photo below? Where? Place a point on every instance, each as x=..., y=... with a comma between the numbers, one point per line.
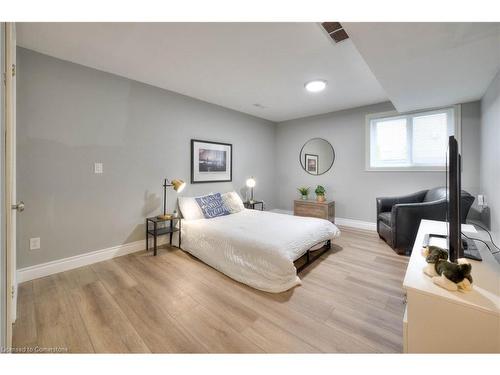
x=317, y=156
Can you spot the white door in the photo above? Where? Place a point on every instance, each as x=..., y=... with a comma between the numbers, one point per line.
x=11, y=205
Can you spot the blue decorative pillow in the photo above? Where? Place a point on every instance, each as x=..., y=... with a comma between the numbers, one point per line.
x=212, y=206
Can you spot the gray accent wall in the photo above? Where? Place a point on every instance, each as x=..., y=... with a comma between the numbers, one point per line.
x=490, y=153
x=70, y=116
x=471, y=147
x=348, y=183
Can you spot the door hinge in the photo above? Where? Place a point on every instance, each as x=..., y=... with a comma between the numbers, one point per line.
x=12, y=292
x=13, y=70
x=4, y=79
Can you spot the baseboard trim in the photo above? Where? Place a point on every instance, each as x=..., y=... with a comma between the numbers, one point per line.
x=359, y=224
x=351, y=223
x=66, y=264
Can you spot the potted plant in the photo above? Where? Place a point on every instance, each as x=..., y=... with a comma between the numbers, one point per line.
x=304, y=192
x=320, y=193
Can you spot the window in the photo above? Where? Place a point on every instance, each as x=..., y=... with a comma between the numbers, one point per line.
x=417, y=141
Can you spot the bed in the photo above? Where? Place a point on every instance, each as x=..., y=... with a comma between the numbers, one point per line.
x=257, y=248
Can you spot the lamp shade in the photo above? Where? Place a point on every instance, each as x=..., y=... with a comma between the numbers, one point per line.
x=251, y=182
x=178, y=185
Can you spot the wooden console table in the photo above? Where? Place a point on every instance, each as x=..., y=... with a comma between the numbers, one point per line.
x=312, y=208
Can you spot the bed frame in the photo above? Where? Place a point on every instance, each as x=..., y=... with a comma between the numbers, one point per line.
x=310, y=259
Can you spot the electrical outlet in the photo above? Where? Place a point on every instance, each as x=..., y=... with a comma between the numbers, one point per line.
x=34, y=243
x=98, y=168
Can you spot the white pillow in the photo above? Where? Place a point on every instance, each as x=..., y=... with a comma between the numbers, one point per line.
x=189, y=208
x=233, y=202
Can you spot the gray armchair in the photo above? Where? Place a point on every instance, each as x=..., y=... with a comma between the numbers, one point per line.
x=398, y=218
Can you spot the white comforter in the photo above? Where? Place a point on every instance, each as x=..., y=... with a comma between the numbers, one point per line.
x=257, y=248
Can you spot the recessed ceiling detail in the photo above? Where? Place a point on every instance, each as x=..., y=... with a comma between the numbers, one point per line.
x=234, y=65
x=335, y=31
x=427, y=65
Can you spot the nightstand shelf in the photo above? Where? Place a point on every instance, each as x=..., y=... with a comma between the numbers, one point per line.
x=251, y=205
x=162, y=231
x=153, y=229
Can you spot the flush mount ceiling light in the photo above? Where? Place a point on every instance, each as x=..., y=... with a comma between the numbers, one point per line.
x=315, y=86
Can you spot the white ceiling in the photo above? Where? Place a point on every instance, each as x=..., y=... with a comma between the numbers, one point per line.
x=235, y=65
x=425, y=65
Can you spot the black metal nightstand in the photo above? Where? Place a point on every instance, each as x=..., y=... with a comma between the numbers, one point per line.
x=252, y=204
x=153, y=229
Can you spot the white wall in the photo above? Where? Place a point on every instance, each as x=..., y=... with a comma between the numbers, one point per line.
x=354, y=189
x=490, y=152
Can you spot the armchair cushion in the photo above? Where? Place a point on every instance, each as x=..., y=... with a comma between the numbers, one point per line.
x=385, y=204
x=385, y=217
x=435, y=194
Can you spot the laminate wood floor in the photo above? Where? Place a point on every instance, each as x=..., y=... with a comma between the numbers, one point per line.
x=350, y=300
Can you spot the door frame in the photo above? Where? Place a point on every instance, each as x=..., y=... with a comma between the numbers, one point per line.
x=10, y=178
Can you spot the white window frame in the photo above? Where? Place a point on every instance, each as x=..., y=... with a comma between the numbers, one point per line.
x=456, y=109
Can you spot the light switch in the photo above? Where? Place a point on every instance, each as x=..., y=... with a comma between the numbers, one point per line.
x=34, y=243
x=98, y=168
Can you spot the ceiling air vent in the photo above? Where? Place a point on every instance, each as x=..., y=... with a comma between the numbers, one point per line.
x=335, y=31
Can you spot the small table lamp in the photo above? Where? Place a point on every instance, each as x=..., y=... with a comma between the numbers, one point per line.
x=178, y=186
x=251, y=185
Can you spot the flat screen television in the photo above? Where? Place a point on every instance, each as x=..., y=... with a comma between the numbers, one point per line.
x=455, y=248
x=458, y=245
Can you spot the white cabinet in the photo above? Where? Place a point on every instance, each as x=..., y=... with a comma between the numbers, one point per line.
x=439, y=321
